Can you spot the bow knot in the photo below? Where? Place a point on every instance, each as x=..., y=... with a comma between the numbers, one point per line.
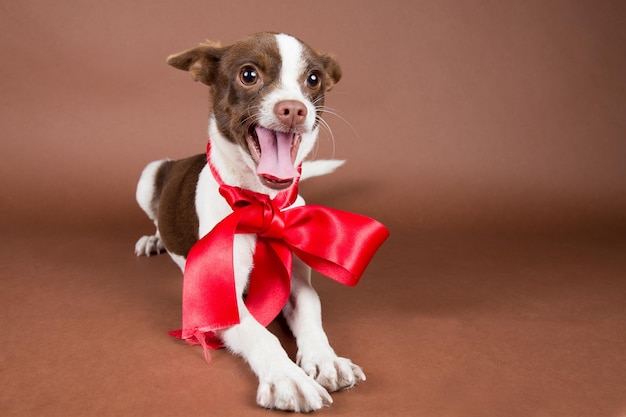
x=273, y=223
x=259, y=213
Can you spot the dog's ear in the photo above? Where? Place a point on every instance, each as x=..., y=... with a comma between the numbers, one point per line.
x=333, y=71
x=202, y=61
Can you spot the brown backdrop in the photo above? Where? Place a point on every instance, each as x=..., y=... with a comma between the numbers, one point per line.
x=489, y=137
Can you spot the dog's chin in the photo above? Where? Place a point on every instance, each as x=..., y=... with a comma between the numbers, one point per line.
x=275, y=184
x=267, y=179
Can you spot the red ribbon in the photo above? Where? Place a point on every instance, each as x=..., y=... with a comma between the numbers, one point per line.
x=336, y=243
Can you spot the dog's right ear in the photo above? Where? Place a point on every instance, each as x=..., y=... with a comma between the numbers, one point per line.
x=202, y=61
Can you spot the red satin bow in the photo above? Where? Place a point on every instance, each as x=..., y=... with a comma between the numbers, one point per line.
x=336, y=243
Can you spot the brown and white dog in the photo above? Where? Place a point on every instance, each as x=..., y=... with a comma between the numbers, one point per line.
x=267, y=95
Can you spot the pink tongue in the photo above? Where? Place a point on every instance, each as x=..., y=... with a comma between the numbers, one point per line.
x=275, y=161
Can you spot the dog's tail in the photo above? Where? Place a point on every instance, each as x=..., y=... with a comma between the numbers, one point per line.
x=320, y=167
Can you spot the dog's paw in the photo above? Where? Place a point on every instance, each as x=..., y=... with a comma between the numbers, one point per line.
x=149, y=245
x=292, y=390
x=331, y=371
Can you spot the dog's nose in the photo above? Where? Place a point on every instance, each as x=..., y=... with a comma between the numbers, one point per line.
x=290, y=112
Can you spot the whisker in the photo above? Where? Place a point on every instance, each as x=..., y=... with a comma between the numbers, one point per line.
x=253, y=115
x=324, y=124
x=317, y=100
x=335, y=112
x=252, y=112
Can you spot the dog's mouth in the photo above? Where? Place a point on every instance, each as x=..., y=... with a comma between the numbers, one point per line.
x=274, y=153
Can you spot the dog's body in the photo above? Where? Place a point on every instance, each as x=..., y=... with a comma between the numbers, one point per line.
x=267, y=94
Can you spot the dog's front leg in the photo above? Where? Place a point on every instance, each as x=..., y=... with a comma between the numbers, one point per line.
x=282, y=384
x=315, y=355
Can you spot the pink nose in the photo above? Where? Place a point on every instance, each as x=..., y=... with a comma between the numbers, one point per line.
x=290, y=112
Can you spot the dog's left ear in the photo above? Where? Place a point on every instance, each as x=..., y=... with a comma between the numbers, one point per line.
x=202, y=61
x=333, y=71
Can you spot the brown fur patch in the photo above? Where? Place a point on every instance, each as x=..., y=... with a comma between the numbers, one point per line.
x=233, y=102
x=177, y=217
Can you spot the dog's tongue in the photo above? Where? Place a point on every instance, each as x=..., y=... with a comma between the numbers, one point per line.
x=275, y=161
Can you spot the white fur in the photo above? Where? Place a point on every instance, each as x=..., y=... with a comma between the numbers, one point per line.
x=148, y=245
x=146, y=199
x=179, y=260
x=290, y=88
x=145, y=189
x=282, y=384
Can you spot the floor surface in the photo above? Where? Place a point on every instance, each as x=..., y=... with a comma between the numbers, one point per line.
x=442, y=326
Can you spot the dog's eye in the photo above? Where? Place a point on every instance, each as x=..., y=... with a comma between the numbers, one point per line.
x=313, y=81
x=248, y=76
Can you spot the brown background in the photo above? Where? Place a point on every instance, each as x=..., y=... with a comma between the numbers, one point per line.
x=489, y=136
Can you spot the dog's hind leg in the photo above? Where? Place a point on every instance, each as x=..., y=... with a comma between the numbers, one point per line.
x=149, y=245
x=148, y=196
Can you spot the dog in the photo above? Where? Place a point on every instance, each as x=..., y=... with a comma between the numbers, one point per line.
x=266, y=98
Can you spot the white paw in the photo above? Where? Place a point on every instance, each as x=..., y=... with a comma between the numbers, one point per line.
x=331, y=371
x=291, y=389
x=148, y=245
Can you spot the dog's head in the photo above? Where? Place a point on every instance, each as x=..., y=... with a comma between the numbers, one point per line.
x=267, y=95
